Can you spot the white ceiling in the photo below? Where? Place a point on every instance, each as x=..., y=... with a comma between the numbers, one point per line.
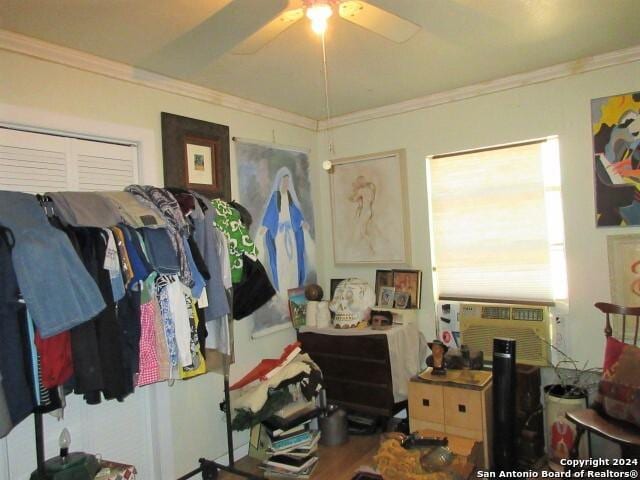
x=462, y=42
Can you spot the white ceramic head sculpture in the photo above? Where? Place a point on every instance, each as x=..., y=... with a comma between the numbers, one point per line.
x=352, y=302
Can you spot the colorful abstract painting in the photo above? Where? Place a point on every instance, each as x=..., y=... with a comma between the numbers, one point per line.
x=275, y=189
x=615, y=125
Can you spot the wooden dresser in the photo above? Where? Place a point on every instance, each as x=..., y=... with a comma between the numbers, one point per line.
x=357, y=364
x=458, y=404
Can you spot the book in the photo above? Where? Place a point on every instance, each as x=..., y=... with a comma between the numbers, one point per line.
x=280, y=433
x=290, y=464
x=305, y=446
x=292, y=441
x=274, y=422
x=279, y=473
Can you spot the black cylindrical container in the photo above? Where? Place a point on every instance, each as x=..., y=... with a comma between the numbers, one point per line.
x=504, y=404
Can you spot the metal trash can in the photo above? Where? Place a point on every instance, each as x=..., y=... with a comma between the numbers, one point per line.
x=333, y=426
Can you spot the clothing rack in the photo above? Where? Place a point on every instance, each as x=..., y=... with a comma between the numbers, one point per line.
x=208, y=468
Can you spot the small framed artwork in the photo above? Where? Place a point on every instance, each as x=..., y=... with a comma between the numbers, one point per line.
x=196, y=155
x=409, y=281
x=297, y=306
x=334, y=284
x=370, y=214
x=384, y=278
x=387, y=297
x=402, y=299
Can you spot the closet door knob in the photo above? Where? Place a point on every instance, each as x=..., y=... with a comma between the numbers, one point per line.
x=462, y=408
x=425, y=402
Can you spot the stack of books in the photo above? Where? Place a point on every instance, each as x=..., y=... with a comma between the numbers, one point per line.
x=287, y=446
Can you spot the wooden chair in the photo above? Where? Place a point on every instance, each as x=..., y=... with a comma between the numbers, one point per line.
x=624, y=434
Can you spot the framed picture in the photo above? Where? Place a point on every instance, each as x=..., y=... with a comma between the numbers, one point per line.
x=297, y=307
x=369, y=210
x=384, y=278
x=387, y=297
x=409, y=281
x=333, y=286
x=196, y=155
x=402, y=299
x=617, y=184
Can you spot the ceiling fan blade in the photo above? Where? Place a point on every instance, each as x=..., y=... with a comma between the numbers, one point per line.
x=378, y=20
x=270, y=31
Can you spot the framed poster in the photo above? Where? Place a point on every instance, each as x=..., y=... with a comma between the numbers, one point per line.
x=369, y=210
x=615, y=123
x=196, y=155
x=275, y=187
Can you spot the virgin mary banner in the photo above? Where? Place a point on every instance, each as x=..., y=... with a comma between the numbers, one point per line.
x=275, y=188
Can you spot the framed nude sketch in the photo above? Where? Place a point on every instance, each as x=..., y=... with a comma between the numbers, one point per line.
x=369, y=210
x=196, y=155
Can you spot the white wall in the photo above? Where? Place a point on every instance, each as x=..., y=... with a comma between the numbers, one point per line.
x=559, y=107
x=195, y=424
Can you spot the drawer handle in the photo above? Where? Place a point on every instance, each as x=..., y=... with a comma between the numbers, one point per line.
x=462, y=408
x=425, y=402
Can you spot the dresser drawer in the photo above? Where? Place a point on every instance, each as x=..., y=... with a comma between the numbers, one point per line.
x=426, y=402
x=463, y=408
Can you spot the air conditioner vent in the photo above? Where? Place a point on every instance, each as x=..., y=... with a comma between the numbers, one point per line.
x=528, y=325
x=497, y=313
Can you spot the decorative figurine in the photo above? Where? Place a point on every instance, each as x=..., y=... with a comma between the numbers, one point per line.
x=438, y=349
x=313, y=292
x=352, y=302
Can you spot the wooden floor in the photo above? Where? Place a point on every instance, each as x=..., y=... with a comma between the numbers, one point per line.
x=335, y=463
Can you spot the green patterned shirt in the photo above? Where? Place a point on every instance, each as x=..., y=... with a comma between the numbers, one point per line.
x=238, y=239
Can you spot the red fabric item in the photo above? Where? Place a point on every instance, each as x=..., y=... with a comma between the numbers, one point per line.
x=264, y=367
x=56, y=365
x=619, y=388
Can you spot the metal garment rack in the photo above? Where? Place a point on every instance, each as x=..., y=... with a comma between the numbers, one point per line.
x=208, y=468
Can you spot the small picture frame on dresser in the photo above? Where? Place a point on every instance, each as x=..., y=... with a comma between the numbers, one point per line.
x=387, y=297
x=402, y=299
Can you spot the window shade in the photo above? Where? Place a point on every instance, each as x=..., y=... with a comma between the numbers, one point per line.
x=489, y=223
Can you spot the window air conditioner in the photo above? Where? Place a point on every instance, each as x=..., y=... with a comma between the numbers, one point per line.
x=480, y=323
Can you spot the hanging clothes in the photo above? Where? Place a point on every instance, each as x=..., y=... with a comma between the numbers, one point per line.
x=205, y=238
x=84, y=209
x=15, y=358
x=133, y=212
x=176, y=224
x=47, y=267
x=5, y=417
x=238, y=239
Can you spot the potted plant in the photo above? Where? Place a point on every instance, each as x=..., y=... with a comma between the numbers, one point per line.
x=570, y=392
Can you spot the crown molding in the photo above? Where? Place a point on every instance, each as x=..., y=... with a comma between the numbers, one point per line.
x=587, y=64
x=15, y=42
x=23, y=44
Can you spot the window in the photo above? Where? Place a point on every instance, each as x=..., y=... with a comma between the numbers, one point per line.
x=496, y=223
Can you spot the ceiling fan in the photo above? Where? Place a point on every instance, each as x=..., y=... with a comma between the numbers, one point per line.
x=359, y=12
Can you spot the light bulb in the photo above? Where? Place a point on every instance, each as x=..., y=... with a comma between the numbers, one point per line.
x=64, y=441
x=319, y=14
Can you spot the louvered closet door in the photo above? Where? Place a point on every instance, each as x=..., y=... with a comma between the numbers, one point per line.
x=103, y=166
x=37, y=163
x=32, y=162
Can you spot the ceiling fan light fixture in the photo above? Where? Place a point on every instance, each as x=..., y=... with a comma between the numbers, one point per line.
x=319, y=12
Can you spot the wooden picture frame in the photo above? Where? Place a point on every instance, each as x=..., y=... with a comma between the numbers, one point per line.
x=196, y=155
x=369, y=210
x=384, y=278
x=333, y=285
x=409, y=281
